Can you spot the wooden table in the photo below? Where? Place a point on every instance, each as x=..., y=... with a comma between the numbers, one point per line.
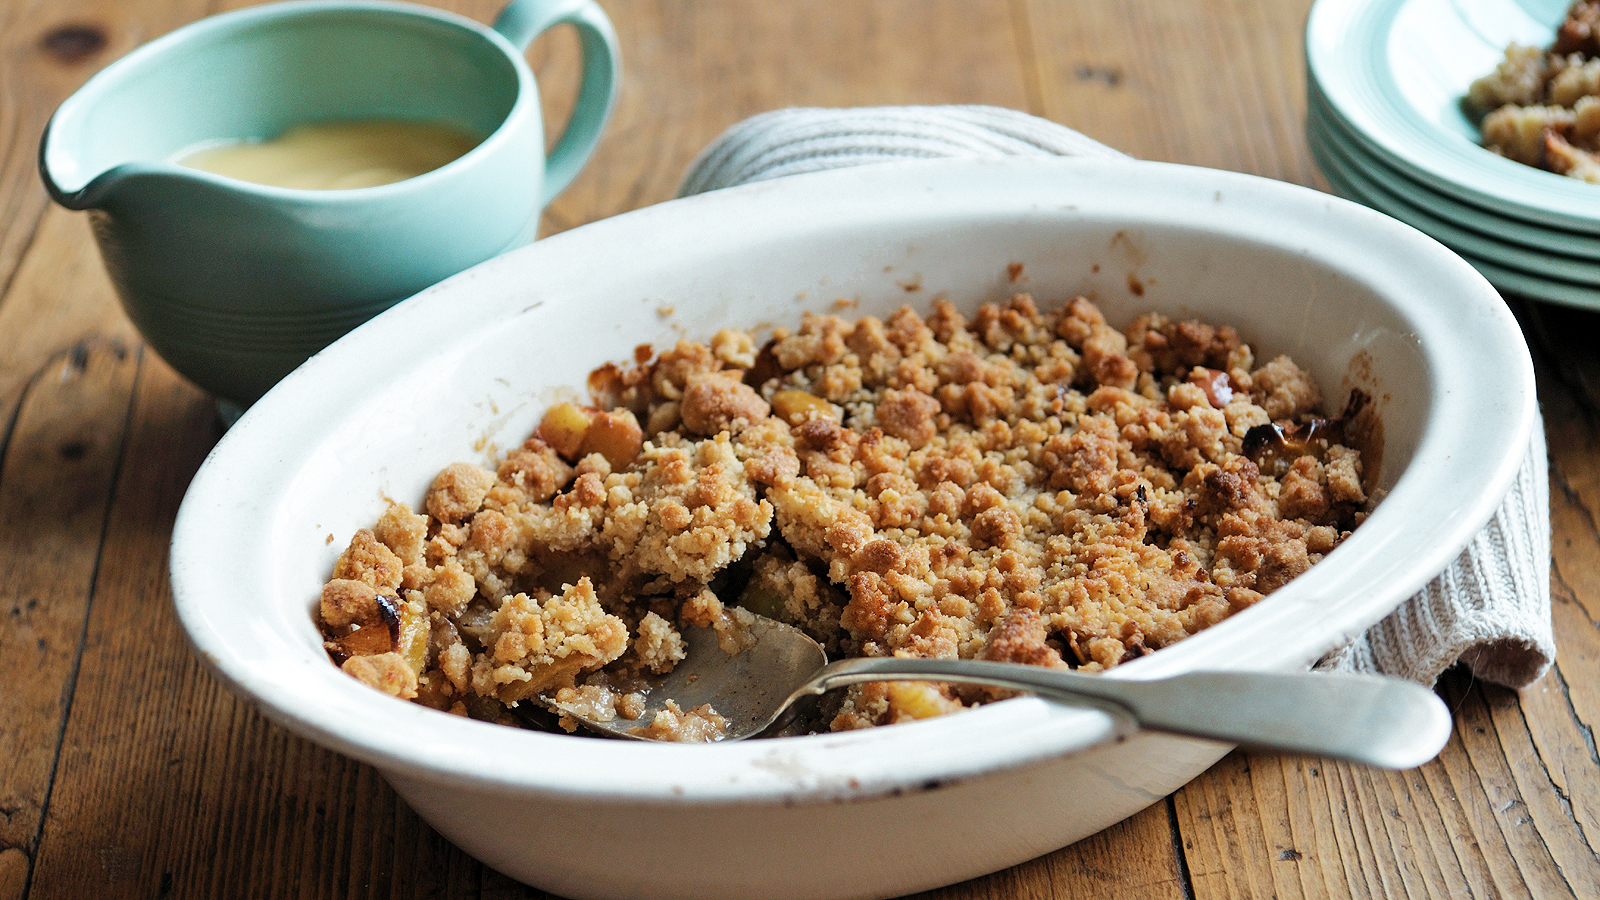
x=127, y=771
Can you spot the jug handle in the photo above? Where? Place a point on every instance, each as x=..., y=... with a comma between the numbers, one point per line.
x=523, y=20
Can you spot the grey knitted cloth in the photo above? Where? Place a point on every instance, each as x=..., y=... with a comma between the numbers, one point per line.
x=1490, y=610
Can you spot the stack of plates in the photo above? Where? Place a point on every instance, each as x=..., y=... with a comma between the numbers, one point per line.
x=1385, y=80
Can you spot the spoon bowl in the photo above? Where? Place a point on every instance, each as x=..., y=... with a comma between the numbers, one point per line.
x=751, y=689
x=1385, y=722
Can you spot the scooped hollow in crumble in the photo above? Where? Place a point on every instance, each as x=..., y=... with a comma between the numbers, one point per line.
x=1026, y=486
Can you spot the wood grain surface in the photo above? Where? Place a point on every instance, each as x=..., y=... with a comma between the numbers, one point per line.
x=127, y=771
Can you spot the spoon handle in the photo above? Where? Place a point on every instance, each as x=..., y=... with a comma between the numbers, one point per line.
x=1379, y=721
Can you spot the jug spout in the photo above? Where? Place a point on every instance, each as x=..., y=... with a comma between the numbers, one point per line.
x=67, y=180
x=92, y=195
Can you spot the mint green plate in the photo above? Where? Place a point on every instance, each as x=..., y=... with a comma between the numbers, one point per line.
x=1396, y=71
x=1505, y=277
x=1414, y=209
x=1584, y=245
x=1534, y=287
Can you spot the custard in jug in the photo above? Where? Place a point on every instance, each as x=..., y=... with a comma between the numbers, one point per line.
x=336, y=155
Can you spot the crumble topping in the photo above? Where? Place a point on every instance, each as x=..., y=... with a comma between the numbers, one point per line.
x=1024, y=486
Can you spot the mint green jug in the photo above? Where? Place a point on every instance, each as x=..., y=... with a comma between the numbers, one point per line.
x=233, y=283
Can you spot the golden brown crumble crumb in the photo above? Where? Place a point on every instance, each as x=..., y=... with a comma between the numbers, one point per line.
x=699, y=725
x=458, y=491
x=404, y=533
x=387, y=672
x=1028, y=486
x=592, y=702
x=658, y=646
x=368, y=560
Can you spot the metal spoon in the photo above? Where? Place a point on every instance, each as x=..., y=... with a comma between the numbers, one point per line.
x=1379, y=721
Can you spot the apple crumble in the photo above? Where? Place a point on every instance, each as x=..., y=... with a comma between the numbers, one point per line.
x=1541, y=107
x=1026, y=486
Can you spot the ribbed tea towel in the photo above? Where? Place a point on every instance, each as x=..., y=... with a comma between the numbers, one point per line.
x=1490, y=610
